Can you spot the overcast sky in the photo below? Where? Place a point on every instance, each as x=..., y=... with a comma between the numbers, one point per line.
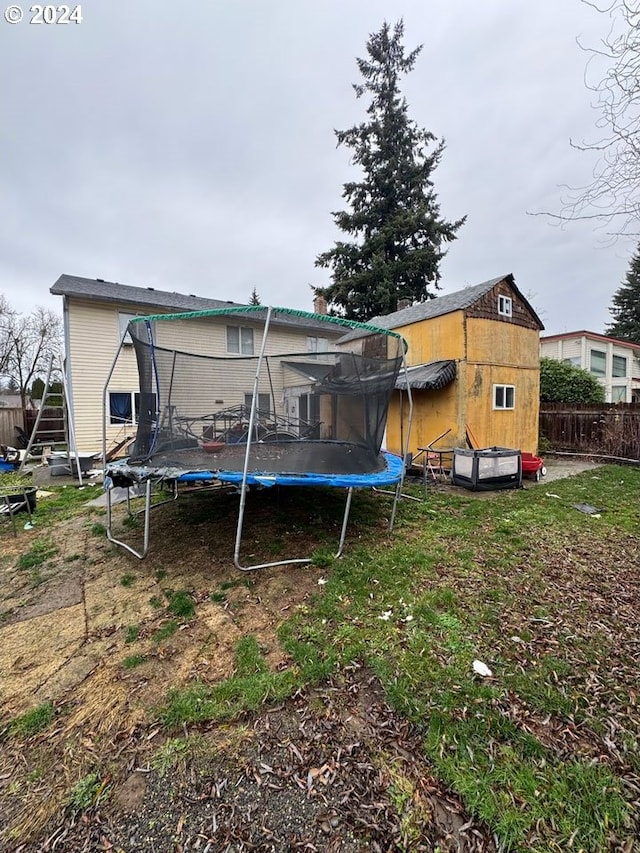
x=190, y=147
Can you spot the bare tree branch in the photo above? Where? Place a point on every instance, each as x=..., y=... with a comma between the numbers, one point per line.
x=30, y=341
x=7, y=315
x=612, y=196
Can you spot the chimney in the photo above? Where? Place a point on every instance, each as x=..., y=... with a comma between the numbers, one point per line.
x=320, y=305
x=404, y=303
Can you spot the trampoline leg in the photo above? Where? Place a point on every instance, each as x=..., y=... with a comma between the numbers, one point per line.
x=147, y=520
x=345, y=520
x=236, y=554
x=392, y=517
x=174, y=497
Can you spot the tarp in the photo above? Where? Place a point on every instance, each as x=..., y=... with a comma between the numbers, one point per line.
x=427, y=377
x=312, y=371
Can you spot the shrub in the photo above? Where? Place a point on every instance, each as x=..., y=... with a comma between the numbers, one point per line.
x=566, y=383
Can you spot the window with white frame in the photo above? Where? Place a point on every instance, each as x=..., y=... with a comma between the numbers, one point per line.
x=619, y=366
x=598, y=362
x=240, y=340
x=618, y=393
x=123, y=322
x=574, y=360
x=316, y=345
x=126, y=407
x=505, y=306
x=504, y=396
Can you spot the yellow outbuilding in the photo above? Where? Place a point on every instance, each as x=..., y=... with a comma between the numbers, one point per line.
x=473, y=367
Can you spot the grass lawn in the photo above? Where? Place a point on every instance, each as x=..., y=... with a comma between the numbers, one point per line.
x=545, y=749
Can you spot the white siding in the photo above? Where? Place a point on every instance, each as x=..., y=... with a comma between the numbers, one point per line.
x=93, y=342
x=617, y=388
x=94, y=339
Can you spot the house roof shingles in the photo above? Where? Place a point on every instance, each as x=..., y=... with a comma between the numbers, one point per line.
x=111, y=291
x=150, y=300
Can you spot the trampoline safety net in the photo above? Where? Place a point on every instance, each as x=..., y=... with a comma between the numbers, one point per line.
x=318, y=388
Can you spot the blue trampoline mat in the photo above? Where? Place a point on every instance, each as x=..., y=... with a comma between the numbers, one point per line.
x=388, y=471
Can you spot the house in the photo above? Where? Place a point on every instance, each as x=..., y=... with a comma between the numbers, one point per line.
x=615, y=363
x=96, y=314
x=473, y=369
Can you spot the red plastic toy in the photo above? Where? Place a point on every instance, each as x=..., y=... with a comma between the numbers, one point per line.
x=532, y=466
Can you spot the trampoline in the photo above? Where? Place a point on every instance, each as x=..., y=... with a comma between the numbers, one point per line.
x=218, y=414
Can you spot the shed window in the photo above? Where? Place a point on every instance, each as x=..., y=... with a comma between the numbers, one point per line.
x=598, y=362
x=240, y=340
x=505, y=306
x=504, y=396
x=619, y=366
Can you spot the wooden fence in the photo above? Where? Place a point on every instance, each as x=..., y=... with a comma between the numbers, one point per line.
x=9, y=419
x=606, y=429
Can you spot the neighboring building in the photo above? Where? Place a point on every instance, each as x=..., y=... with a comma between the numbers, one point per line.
x=474, y=369
x=615, y=363
x=96, y=314
x=12, y=401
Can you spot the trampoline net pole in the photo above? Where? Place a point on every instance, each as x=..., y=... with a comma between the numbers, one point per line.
x=405, y=445
x=247, y=455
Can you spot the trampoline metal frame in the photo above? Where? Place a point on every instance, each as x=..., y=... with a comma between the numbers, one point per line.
x=244, y=486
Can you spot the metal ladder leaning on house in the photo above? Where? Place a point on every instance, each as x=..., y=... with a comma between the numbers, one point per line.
x=45, y=435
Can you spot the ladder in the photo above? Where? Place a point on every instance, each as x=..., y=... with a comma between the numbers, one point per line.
x=54, y=407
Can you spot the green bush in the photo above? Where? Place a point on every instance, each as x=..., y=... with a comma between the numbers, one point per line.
x=566, y=383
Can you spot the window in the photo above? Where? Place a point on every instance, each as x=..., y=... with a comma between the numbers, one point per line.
x=240, y=340
x=123, y=322
x=598, y=362
x=619, y=367
x=504, y=396
x=505, y=306
x=316, y=345
x=264, y=404
x=120, y=409
x=574, y=360
x=125, y=407
x=619, y=393
x=310, y=415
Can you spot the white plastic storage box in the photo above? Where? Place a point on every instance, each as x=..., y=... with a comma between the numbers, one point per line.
x=487, y=469
x=61, y=466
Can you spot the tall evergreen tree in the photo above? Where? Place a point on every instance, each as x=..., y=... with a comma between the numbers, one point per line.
x=625, y=305
x=397, y=232
x=254, y=299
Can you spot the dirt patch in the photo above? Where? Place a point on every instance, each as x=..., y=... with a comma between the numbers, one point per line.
x=334, y=770
x=57, y=595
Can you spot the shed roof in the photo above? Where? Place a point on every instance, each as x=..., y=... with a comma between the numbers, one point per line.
x=440, y=305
